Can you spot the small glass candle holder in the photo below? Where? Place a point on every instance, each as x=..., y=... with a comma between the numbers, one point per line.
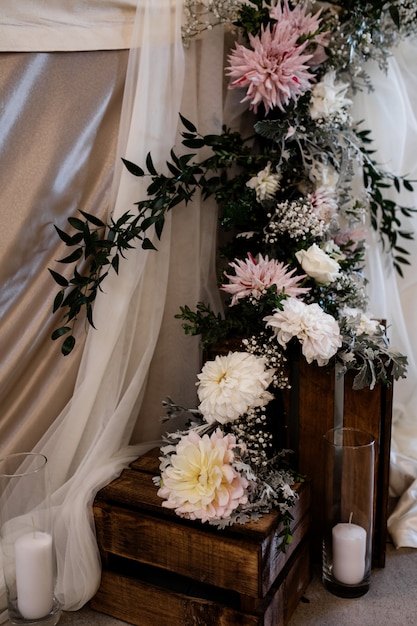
x=29, y=562
x=348, y=516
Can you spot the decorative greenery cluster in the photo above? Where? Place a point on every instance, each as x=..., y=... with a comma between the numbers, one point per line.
x=97, y=247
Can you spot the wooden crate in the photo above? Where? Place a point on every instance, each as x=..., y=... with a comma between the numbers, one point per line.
x=312, y=409
x=159, y=569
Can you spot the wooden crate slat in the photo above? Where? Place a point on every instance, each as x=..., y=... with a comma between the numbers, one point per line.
x=174, y=547
x=144, y=604
x=253, y=563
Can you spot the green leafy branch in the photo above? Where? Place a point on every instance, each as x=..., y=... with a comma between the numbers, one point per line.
x=97, y=246
x=385, y=214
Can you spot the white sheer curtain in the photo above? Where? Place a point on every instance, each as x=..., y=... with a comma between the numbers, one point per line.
x=390, y=111
x=90, y=442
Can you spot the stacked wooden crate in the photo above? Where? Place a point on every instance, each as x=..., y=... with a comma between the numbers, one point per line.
x=160, y=569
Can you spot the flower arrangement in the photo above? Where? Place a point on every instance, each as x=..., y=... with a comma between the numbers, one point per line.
x=225, y=468
x=298, y=192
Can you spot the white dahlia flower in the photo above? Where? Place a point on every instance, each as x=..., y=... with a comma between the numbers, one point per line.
x=231, y=385
x=317, y=331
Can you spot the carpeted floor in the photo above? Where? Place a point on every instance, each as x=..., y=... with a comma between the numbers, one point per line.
x=391, y=600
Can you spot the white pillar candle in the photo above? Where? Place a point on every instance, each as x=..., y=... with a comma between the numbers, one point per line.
x=349, y=553
x=34, y=574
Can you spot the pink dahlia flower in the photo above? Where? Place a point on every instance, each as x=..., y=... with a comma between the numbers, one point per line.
x=303, y=24
x=253, y=276
x=275, y=71
x=199, y=481
x=324, y=203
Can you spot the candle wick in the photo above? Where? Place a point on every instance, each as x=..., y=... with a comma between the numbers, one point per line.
x=350, y=517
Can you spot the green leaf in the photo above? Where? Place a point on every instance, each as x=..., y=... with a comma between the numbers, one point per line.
x=76, y=223
x=62, y=282
x=93, y=219
x=395, y=15
x=159, y=226
x=174, y=170
x=150, y=165
x=401, y=259
x=147, y=244
x=68, y=345
x=90, y=313
x=187, y=124
x=148, y=222
x=58, y=300
x=115, y=263
x=59, y=332
x=65, y=237
x=123, y=219
x=133, y=168
x=193, y=143
x=74, y=256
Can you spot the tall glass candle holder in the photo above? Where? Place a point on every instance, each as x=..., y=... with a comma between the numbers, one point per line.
x=28, y=554
x=348, y=516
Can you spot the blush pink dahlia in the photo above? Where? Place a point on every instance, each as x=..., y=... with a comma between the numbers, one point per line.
x=275, y=71
x=303, y=24
x=253, y=276
x=199, y=481
x=317, y=331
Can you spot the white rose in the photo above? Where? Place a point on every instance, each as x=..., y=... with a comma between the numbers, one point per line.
x=318, y=265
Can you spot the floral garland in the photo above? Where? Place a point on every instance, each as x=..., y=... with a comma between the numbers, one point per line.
x=297, y=229
x=225, y=468
x=295, y=215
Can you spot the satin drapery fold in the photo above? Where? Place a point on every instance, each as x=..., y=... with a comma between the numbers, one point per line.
x=138, y=354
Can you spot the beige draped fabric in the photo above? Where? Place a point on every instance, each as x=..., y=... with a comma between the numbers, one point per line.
x=65, y=25
x=86, y=409
x=58, y=134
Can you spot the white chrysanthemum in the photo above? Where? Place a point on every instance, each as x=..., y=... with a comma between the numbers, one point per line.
x=199, y=481
x=230, y=385
x=265, y=183
x=328, y=97
x=317, y=331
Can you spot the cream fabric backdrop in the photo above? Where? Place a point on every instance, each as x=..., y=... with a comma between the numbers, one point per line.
x=139, y=353
x=30, y=25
